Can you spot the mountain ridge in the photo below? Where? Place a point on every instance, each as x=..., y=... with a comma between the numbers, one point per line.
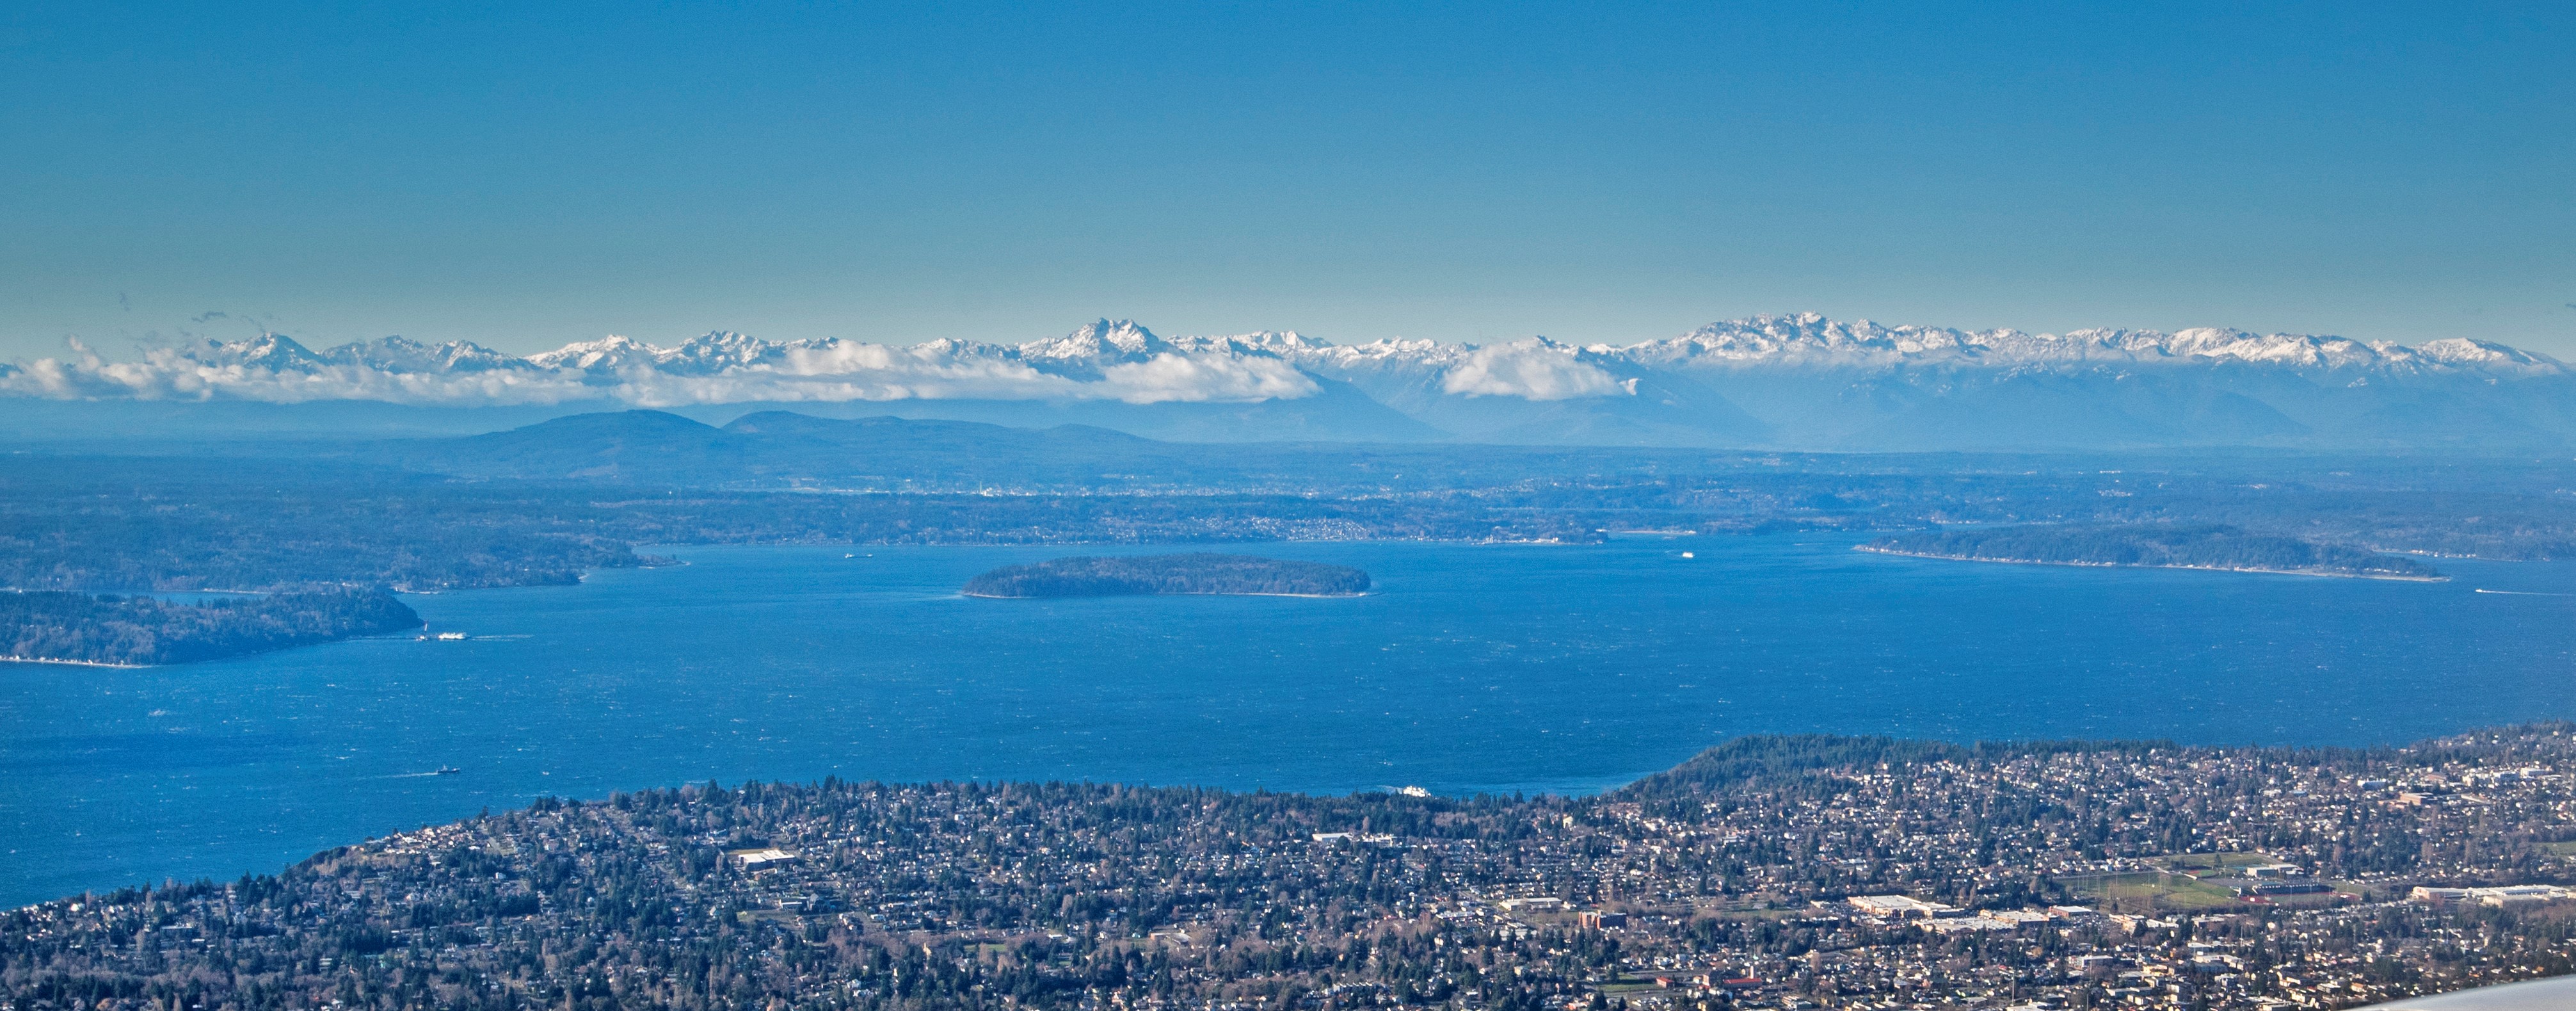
x=1800, y=381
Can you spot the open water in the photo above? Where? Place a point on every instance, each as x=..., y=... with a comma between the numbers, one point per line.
x=1473, y=668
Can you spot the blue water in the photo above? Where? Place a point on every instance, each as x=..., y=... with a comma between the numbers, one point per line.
x=1474, y=668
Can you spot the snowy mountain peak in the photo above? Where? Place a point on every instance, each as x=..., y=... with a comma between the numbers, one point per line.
x=2463, y=351
x=399, y=355
x=609, y=353
x=1118, y=340
x=714, y=352
x=266, y=351
x=1272, y=343
x=1810, y=340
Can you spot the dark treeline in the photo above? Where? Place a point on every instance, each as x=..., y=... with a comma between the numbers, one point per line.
x=53, y=625
x=1199, y=572
x=2194, y=545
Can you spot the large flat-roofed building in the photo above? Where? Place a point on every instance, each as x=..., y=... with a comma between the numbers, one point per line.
x=1900, y=907
x=2508, y=895
x=767, y=856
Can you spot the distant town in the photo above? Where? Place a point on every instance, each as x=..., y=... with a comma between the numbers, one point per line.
x=1770, y=872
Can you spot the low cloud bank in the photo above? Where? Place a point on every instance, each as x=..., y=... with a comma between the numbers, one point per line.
x=1121, y=361
x=714, y=369
x=1537, y=369
x=216, y=372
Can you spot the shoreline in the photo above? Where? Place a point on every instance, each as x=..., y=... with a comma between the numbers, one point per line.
x=76, y=663
x=2319, y=573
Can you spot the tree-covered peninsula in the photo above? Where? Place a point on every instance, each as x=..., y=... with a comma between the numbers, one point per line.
x=1159, y=574
x=107, y=629
x=2171, y=546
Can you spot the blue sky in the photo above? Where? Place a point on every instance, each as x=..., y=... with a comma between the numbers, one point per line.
x=524, y=177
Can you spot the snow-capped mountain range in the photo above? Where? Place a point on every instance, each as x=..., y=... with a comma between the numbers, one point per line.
x=1797, y=381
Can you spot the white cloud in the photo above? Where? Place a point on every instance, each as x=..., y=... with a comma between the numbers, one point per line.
x=1212, y=377
x=1531, y=370
x=709, y=370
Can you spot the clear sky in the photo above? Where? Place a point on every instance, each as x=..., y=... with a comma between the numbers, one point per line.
x=528, y=174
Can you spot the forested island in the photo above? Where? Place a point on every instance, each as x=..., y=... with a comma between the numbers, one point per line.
x=2165, y=546
x=1196, y=573
x=59, y=627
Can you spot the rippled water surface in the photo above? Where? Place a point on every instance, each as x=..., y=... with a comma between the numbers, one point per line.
x=1473, y=668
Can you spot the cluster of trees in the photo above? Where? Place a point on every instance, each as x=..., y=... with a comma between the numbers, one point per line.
x=82, y=628
x=1198, y=572
x=2209, y=545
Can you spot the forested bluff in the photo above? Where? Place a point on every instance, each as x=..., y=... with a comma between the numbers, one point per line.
x=1191, y=573
x=60, y=627
x=2066, y=875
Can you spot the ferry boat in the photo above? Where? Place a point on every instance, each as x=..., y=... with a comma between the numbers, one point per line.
x=451, y=636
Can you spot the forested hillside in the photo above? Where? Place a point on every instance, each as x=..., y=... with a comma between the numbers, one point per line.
x=80, y=628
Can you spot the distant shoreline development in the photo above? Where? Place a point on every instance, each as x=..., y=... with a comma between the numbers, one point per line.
x=1876, y=550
